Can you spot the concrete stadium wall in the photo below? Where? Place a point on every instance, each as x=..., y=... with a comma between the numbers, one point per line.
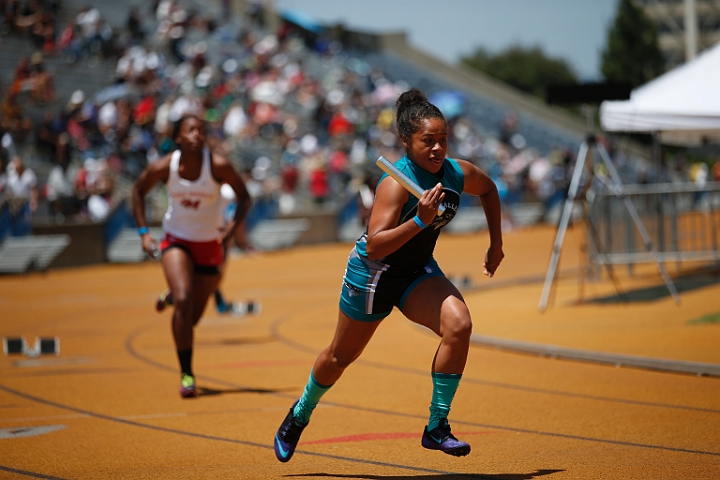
x=323, y=228
x=87, y=244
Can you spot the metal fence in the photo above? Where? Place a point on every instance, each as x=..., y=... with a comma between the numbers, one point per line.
x=682, y=220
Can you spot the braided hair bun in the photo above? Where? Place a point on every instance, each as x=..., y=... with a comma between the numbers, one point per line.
x=411, y=108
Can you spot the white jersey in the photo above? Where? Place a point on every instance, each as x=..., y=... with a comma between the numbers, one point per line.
x=20, y=186
x=194, y=206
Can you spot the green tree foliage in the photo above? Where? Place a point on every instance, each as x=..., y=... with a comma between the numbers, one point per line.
x=632, y=53
x=528, y=69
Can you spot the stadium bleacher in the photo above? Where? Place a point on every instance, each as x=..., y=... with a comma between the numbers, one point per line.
x=94, y=74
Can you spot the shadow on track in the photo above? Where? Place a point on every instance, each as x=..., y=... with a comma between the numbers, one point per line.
x=691, y=281
x=237, y=341
x=451, y=476
x=205, y=391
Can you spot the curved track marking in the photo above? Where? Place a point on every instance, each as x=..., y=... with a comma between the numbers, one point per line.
x=28, y=474
x=275, y=332
x=384, y=366
x=211, y=437
x=274, y=328
x=284, y=318
x=279, y=321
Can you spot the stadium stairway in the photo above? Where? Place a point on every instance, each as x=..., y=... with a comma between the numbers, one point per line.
x=275, y=234
x=88, y=75
x=20, y=254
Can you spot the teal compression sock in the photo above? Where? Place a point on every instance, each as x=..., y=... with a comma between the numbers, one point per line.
x=220, y=302
x=444, y=387
x=309, y=399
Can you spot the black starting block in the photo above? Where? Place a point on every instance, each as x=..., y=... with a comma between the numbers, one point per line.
x=253, y=307
x=462, y=282
x=42, y=346
x=240, y=309
x=14, y=345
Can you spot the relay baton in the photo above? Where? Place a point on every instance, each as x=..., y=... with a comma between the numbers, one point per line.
x=388, y=167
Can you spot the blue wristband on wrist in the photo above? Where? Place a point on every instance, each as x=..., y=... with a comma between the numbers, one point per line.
x=143, y=230
x=419, y=222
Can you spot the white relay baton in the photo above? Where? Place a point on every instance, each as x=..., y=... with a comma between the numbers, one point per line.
x=388, y=167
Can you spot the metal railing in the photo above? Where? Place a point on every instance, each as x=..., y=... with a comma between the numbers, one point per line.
x=683, y=221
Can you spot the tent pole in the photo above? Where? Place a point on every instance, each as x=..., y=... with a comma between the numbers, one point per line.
x=656, y=152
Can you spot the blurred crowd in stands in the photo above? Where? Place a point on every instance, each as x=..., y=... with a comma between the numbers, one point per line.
x=299, y=117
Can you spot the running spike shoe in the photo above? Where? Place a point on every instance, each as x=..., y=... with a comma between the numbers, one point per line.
x=288, y=435
x=441, y=438
x=164, y=300
x=187, y=386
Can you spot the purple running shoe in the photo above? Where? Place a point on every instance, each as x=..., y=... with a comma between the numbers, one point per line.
x=288, y=436
x=441, y=438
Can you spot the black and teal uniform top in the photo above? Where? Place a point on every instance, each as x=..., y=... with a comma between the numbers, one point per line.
x=371, y=288
x=416, y=253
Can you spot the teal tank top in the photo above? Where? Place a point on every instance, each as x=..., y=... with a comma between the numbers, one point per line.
x=417, y=252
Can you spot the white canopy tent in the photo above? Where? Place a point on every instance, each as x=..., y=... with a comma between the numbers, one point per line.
x=683, y=105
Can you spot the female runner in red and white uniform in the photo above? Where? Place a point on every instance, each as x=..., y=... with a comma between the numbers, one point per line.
x=193, y=231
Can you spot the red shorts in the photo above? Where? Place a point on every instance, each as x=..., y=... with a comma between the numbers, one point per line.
x=206, y=255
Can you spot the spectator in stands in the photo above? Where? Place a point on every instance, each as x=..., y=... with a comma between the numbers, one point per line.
x=319, y=186
x=287, y=201
x=508, y=127
x=256, y=12
x=88, y=21
x=97, y=184
x=70, y=43
x=4, y=161
x=13, y=119
x=60, y=190
x=41, y=82
x=506, y=181
x=9, y=12
x=46, y=136
x=338, y=171
x=76, y=125
x=28, y=13
x=261, y=95
x=22, y=195
x=134, y=25
x=20, y=79
x=43, y=32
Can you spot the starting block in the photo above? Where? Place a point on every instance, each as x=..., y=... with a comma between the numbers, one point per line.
x=462, y=282
x=42, y=346
x=240, y=309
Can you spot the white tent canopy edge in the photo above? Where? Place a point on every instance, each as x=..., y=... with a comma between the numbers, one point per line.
x=682, y=105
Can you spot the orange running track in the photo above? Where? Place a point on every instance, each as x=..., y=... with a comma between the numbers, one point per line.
x=108, y=406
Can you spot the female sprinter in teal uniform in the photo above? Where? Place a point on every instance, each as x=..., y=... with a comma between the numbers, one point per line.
x=392, y=266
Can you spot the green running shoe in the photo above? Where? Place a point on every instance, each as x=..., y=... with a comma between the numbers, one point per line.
x=187, y=386
x=164, y=300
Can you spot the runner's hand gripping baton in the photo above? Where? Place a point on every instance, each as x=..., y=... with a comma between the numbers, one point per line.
x=388, y=167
